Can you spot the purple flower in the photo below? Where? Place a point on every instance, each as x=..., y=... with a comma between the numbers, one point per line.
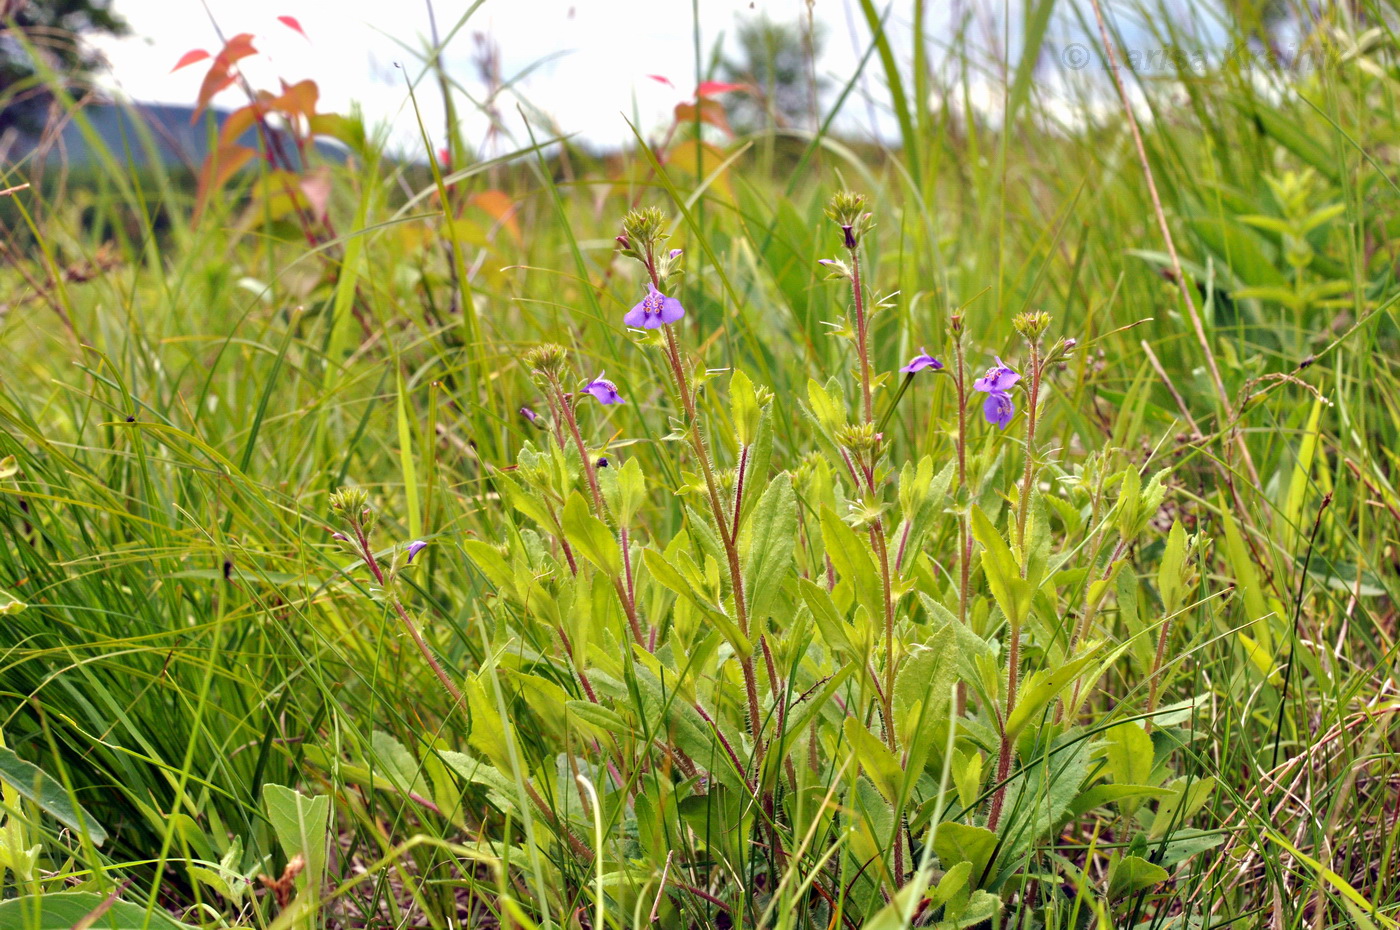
x=921, y=361
x=416, y=547
x=601, y=463
x=605, y=391
x=998, y=380
x=653, y=310
x=999, y=408
x=529, y=414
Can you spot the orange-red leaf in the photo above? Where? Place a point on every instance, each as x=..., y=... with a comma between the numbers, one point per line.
x=238, y=122
x=240, y=46
x=218, y=168
x=219, y=78
x=298, y=99
x=189, y=58
x=221, y=73
x=711, y=111
x=714, y=88
x=500, y=208
x=291, y=23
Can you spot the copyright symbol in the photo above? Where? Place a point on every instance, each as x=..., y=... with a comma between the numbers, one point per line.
x=1075, y=57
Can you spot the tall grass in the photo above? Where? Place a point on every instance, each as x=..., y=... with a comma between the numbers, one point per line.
x=182, y=397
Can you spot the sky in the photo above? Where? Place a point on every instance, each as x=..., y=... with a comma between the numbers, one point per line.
x=586, y=64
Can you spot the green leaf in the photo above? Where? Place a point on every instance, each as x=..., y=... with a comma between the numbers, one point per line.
x=591, y=536
x=1129, y=754
x=600, y=717
x=772, y=538
x=49, y=795
x=1170, y=572
x=959, y=842
x=1012, y=592
x=397, y=764
x=63, y=910
x=835, y=631
x=745, y=408
x=1175, y=810
x=9, y=604
x=488, y=559
x=406, y=465
x=624, y=489
x=528, y=502
x=1042, y=687
x=1133, y=874
x=851, y=557
x=829, y=412
x=953, y=881
x=667, y=576
x=922, y=689
x=1099, y=795
x=880, y=765
x=980, y=908
x=302, y=825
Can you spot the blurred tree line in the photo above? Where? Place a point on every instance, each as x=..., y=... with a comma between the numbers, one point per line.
x=46, y=35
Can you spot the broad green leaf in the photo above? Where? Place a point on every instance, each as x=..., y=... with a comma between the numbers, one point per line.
x=591, y=536
x=605, y=720
x=953, y=881
x=500, y=790
x=63, y=910
x=667, y=575
x=1133, y=874
x=1169, y=573
x=48, y=793
x=1241, y=564
x=1298, y=483
x=959, y=842
x=1129, y=754
x=922, y=689
x=745, y=408
x=624, y=489
x=772, y=532
x=851, y=557
x=880, y=765
x=302, y=825
x=526, y=501
x=981, y=908
x=835, y=631
x=1189, y=796
x=1042, y=687
x=1099, y=795
x=397, y=764
x=1012, y=592
x=830, y=412
x=488, y=735
x=488, y=559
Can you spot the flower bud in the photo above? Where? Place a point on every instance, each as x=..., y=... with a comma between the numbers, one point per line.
x=642, y=228
x=549, y=361
x=1032, y=324
x=349, y=501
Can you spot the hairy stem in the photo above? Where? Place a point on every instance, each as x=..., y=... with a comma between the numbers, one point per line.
x=624, y=593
